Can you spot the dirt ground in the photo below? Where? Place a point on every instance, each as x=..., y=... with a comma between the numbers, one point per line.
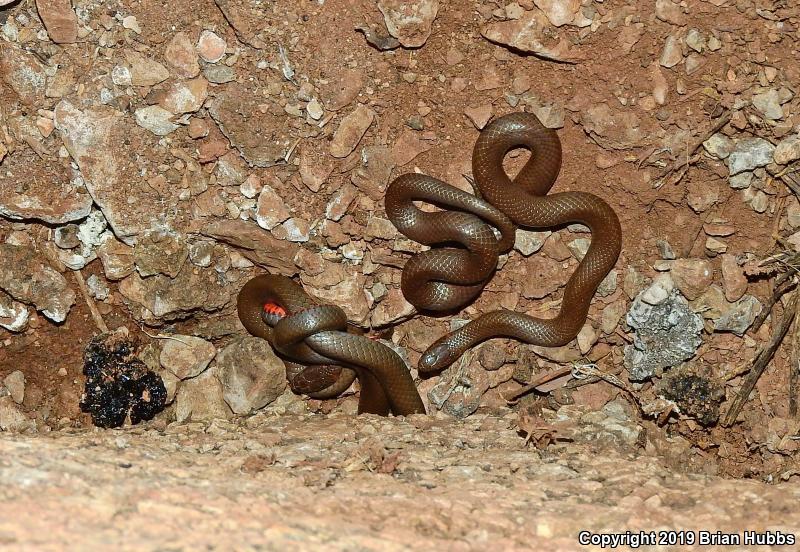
x=153, y=159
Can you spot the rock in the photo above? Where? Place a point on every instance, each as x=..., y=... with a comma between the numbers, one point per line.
x=12, y=418
x=740, y=316
x=768, y=103
x=733, y=278
x=671, y=55
x=43, y=190
x=392, y=308
x=26, y=276
x=186, y=96
x=219, y=74
x=181, y=55
x=258, y=246
x=409, y=22
x=245, y=18
x=528, y=242
x=59, y=19
x=692, y=276
x=480, y=115
x=715, y=246
x=660, y=84
x=342, y=88
x=255, y=125
x=315, y=110
x=560, y=12
x=613, y=129
x=144, y=71
x=117, y=258
x=611, y=315
x=666, y=334
x=201, y=398
x=787, y=150
x=211, y=47
x=13, y=314
x=407, y=147
x=372, y=176
x=757, y=199
x=670, y=12
x=659, y=291
x=349, y=293
x=160, y=251
x=270, y=210
x=297, y=230
x=15, y=383
x=130, y=22
x=97, y=287
x=740, y=181
x=693, y=63
x=162, y=297
x=586, y=338
x=665, y=249
x=695, y=40
x=351, y=130
x=719, y=145
x=23, y=72
x=544, y=276
x=156, y=119
x=251, y=375
x=340, y=202
x=528, y=34
x=749, y=154
x=578, y=247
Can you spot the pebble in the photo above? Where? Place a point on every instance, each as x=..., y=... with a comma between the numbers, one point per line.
x=181, y=55
x=270, y=210
x=314, y=109
x=670, y=12
x=719, y=145
x=715, y=246
x=219, y=74
x=211, y=47
x=692, y=276
x=768, y=103
x=740, y=181
x=665, y=249
x=658, y=291
x=480, y=115
x=561, y=12
x=787, y=150
x=130, y=22
x=749, y=154
x=734, y=281
x=758, y=200
x=186, y=96
x=739, y=317
x=160, y=251
x=297, y=230
x=143, y=70
x=15, y=383
x=59, y=19
x=528, y=242
x=156, y=119
x=660, y=84
x=409, y=21
x=251, y=375
x=186, y=356
x=351, y=130
x=201, y=398
x=14, y=315
x=392, y=307
x=665, y=333
x=671, y=55
x=695, y=40
x=198, y=128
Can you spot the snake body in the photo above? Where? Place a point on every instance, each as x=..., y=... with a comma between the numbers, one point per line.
x=315, y=335
x=447, y=278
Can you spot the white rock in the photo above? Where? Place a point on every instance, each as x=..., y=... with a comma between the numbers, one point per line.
x=156, y=119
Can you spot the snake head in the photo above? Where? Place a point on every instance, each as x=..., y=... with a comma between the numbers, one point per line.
x=438, y=357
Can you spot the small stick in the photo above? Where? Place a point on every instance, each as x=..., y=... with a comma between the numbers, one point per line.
x=763, y=358
x=98, y=319
x=693, y=147
x=781, y=288
x=794, y=371
x=539, y=380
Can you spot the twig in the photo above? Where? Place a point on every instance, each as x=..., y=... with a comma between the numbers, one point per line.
x=794, y=371
x=162, y=336
x=693, y=147
x=782, y=287
x=539, y=380
x=98, y=319
x=763, y=358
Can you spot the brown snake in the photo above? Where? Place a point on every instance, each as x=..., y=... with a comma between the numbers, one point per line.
x=447, y=278
x=315, y=335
